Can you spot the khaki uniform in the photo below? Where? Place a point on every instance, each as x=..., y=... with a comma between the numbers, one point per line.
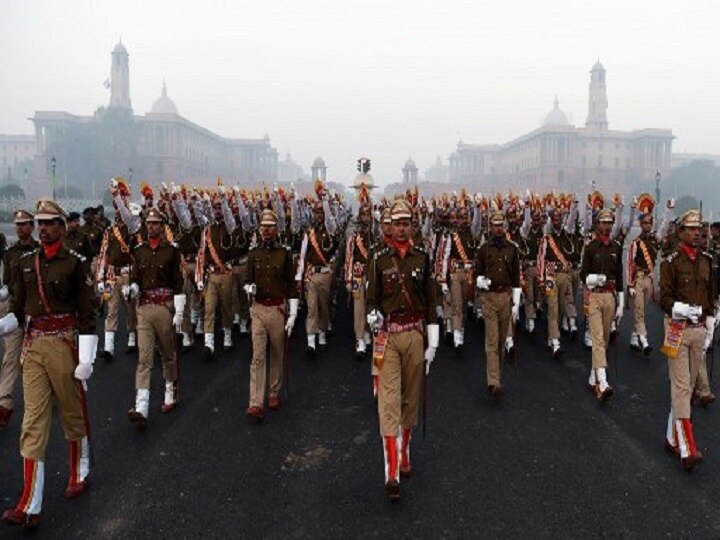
x=158, y=274
x=78, y=241
x=189, y=243
x=529, y=248
x=357, y=254
x=498, y=259
x=242, y=242
x=641, y=267
x=116, y=254
x=318, y=274
x=49, y=354
x=270, y=268
x=405, y=311
x=218, y=290
x=13, y=342
x=460, y=269
x=691, y=282
x=599, y=258
x=554, y=266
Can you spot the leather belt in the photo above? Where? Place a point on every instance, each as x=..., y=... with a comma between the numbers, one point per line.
x=156, y=296
x=405, y=317
x=321, y=269
x=609, y=287
x=221, y=270
x=499, y=289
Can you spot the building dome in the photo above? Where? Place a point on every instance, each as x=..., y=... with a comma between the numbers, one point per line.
x=318, y=163
x=163, y=104
x=410, y=164
x=597, y=66
x=556, y=117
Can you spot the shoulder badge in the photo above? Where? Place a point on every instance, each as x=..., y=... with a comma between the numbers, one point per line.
x=78, y=255
x=28, y=253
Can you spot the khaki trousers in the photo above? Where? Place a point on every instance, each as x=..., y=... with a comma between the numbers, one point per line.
x=194, y=300
x=497, y=312
x=268, y=325
x=683, y=370
x=155, y=320
x=359, y=315
x=48, y=375
x=601, y=312
x=458, y=298
x=560, y=301
x=530, y=291
x=10, y=368
x=113, y=303
x=702, y=385
x=643, y=294
x=218, y=291
x=400, y=382
x=318, y=302
x=240, y=303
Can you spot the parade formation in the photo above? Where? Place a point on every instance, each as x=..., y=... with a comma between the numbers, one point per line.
x=184, y=264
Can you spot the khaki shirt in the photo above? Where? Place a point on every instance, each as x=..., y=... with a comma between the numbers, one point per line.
x=687, y=281
x=66, y=285
x=157, y=268
x=327, y=245
x=12, y=254
x=385, y=290
x=94, y=235
x=599, y=258
x=270, y=267
x=499, y=260
x=653, y=248
x=77, y=241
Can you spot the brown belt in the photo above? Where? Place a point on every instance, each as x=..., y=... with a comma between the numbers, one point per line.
x=406, y=317
x=53, y=324
x=608, y=287
x=499, y=289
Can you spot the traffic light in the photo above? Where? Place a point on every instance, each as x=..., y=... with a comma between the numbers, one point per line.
x=363, y=165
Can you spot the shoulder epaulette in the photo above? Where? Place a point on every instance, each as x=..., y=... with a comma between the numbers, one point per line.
x=140, y=243
x=672, y=256
x=513, y=243
x=707, y=254
x=31, y=252
x=78, y=255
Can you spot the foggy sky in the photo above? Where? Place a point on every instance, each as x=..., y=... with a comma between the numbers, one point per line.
x=386, y=79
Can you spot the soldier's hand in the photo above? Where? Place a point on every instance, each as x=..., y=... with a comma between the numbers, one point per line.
x=375, y=319
x=83, y=371
x=101, y=288
x=444, y=288
x=631, y=292
x=4, y=293
x=177, y=322
x=8, y=324
x=133, y=291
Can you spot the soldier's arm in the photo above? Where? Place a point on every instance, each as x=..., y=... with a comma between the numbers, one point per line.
x=178, y=281
x=430, y=291
x=515, y=269
x=585, y=263
x=619, y=270
x=6, y=269
x=373, y=292
x=83, y=288
x=290, y=288
x=667, y=297
x=17, y=295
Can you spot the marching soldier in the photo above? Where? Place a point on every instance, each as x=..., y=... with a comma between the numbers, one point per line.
x=271, y=283
x=75, y=239
x=356, y=262
x=156, y=280
x=687, y=295
x=642, y=257
x=401, y=302
x=315, y=267
x=531, y=233
x=24, y=226
x=553, y=263
x=113, y=275
x=601, y=271
x=92, y=230
x=497, y=265
x=52, y=295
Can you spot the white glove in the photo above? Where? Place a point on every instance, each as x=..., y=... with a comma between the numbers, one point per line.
x=595, y=280
x=516, y=292
x=250, y=289
x=133, y=291
x=4, y=293
x=179, y=300
x=200, y=286
x=375, y=319
x=433, y=333
x=8, y=324
x=620, y=306
x=709, y=332
x=444, y=288
x=294, y=303
x=671, y=203
x=87, y=347
x=680, y=310
x=101, y=288
x=631, y=291
x=483, y=283
x=695, y=313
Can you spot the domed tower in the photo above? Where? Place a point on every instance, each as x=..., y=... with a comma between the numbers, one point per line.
x=556, y=117
x=318, y=170
x=597, y=108
x=410, y=172
x=163, y=104
x=120, y=78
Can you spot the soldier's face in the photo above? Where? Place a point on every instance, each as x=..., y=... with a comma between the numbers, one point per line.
x=51, y=230
x=401, y=230
x=646, y=224
x=154, y=228
x=364, y=218
x=319, y=216
x=72, y=225
x=24, y=230
x=386, y=229
x=268, y=232
x=497, y=229
x=603, y=227
x=536, y=219
x=690, y=235
x=217, y=211
x=556, y=220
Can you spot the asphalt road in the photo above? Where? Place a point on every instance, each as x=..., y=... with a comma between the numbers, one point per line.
x=548, y=462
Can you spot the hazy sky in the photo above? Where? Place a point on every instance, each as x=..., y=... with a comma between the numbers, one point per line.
x=388, y=79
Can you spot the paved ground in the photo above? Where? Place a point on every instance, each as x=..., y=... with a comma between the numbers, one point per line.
x=549, y=462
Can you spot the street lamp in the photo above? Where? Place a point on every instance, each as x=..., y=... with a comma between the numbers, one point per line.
x=657, y=193
x=53, y=164
x=130, y=177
